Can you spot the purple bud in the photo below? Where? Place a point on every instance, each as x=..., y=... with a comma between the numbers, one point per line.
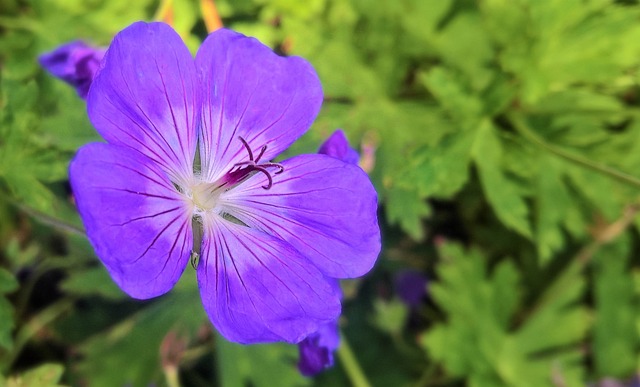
x=316, y=351
x=337, y=146
x=75, y=63
x=411, y=286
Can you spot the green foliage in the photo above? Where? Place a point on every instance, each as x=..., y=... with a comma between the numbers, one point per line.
x=46, y=375
x=141, y=336
x=480, y=340
x=506, y=132
x=257, y=365
x=615, y=337
x=8, y=284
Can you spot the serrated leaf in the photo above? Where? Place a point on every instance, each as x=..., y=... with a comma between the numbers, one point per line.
x=464, y=44
x=454, y=97
x=501, y=193
x=439, y=171
x=407, y=209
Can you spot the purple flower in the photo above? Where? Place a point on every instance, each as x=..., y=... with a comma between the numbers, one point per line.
x=184, y=170
x=316, y=350
x=75, y=63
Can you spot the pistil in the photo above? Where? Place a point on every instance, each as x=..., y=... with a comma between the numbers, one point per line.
x=242, y=170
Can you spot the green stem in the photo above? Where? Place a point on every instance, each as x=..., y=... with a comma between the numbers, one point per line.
x=35, y=325
x=44, y=218
x=350, y=364
x=522, y=128
x=51, y=221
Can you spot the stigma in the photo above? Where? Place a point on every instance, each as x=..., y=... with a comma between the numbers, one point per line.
x=206, y=195
x=243, y=170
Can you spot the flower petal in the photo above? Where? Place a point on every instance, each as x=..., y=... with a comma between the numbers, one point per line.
x=137, y=222
x=322, y=206
x=253, y=93
x=256, y=288
x=145, y=97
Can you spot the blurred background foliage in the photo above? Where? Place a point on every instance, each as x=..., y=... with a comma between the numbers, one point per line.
x=503, y=137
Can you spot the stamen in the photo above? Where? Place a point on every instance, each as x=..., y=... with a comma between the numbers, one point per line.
x=262, y=150
x=263, y=170
x=248, y=148
x=243, y=169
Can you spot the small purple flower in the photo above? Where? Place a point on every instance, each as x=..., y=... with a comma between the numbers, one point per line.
x=184, y=173
x=75, y=63
x=316, y=350
x=411, y=286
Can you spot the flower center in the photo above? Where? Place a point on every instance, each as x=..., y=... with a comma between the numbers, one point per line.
x=207, y=195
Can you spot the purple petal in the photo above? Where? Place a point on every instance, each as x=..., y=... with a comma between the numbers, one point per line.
x=337, y=146
x=316, y=351
x=75, y=63
x=146, y=97
x=138, y=224
x=322, y=206
x=253, y=93
x=256, y=288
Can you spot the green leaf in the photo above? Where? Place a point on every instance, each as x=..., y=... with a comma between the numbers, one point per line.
x=501, y=192
x=450, y=91
x=439, y=171
x=615, y=343
x=464, y=44
x=8, y=284
x=553, y=201
x=258, y=365
x=407, y=209
x=390, y=316
x=45, y=375
x=93, y=281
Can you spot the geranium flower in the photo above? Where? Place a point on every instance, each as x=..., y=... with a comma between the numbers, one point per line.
x=75, y=63
x=184, y=170
x=316, y=350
